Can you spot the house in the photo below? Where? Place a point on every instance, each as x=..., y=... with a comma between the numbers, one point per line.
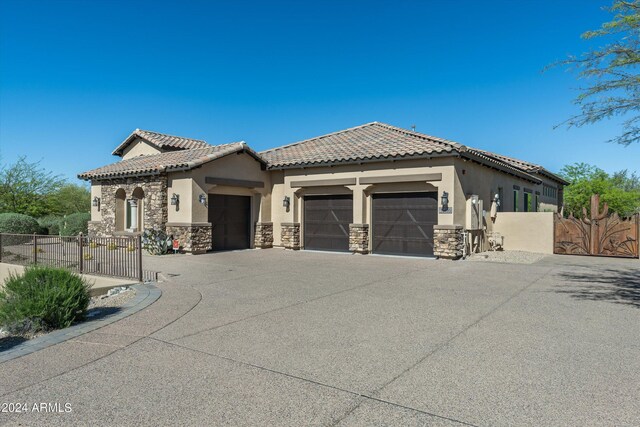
x=371, y=188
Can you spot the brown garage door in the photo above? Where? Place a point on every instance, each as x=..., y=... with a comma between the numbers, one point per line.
x=229, y=217
x=326, y=222
x=402, y=224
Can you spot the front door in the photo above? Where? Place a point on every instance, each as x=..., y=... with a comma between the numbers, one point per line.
x=230, y=220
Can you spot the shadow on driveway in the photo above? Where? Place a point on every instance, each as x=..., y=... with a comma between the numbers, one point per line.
x=611, y=285
x=7, y=343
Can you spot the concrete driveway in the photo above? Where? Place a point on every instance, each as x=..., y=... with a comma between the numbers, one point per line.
x=269, y=337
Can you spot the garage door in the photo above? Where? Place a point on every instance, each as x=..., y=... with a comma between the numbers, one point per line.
x=229, y=217
x=402, y=224
x=326, y=222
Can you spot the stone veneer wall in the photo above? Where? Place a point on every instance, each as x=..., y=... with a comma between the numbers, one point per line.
x=448, y=241
x=155, y=202
x=359, y=238
x=264, y=235
x=290, y=235
x=193, y=238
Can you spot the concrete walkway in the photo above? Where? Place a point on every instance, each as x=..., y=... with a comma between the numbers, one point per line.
x=301, y=338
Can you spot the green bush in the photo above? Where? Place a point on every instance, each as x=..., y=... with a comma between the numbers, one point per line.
x=18, y=224
x=50, y=224
x=41, y=299
x=74, y=224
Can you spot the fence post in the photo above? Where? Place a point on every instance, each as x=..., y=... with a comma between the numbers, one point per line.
x=139, y=254
x=35, y=248
x=80, y=244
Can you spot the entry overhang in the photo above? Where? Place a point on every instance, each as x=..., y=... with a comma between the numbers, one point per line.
x=234, y=182
x=424, y=177
x=323, y=182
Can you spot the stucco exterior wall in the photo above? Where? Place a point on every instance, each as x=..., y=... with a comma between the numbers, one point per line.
x=282, y=186
x=96, y=211
x=139, y=148
x=189, y=185
x=526, y=231
x=473, y=178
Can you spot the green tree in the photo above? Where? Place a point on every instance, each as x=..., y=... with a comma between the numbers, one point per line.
x=611, y=73
x=621, y=191
x=68, y=199
x=25, y=188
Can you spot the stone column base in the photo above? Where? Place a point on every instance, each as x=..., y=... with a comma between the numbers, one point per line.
x=448, y=241
x=264, y=235
x=193, y=238
x=291, y=235
x=359, y=238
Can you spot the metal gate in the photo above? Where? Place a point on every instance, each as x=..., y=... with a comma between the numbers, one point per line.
x=600, y=234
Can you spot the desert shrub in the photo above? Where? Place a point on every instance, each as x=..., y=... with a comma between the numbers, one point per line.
x=155, y=241
x=18, y=224
x=50, y=224
x=74, y=224
x=41, y=299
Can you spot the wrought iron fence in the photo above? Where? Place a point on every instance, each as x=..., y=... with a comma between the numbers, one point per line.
x=107, y=256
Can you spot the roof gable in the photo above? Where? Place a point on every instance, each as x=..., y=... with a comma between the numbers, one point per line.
x=172, y=161
x=161, y=141
x=366, y=142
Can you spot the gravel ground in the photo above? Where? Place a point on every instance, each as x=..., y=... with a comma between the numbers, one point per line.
x=117, y=300
x=512, y=257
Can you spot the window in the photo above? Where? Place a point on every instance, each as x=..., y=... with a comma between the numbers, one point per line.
x=501, y=197
x=516, y=194
x=549, y=191
x=527, y=202
x=536, y=203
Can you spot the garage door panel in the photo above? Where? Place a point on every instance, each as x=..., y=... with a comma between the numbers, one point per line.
x=326, y=222
x=403, y=223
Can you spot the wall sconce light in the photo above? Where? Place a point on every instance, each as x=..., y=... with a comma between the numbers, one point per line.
x=286, y=202
x=202, y=199
x=444, y=200
x=96, y=202
x=496, y=198
x=175, y=199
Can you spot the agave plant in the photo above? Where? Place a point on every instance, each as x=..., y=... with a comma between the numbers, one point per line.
x=155, y=241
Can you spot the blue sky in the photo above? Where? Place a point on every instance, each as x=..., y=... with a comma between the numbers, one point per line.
x=76, y=77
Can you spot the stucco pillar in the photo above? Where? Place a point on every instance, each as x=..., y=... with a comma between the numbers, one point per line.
x=359, y=228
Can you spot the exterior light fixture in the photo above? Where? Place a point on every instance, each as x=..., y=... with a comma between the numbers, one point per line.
x=496, y=198
x=286, y=202
x=175, y=199
x=96, y=202
x=444, y=200
x=202, y=199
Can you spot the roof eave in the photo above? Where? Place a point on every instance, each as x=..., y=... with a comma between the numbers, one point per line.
x=499, y=165
x=304, y=165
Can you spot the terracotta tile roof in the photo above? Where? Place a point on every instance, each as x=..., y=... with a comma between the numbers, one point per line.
x=166, y=162
x=525, y=166
x=161, y=141
x=379, y=141
x=366, y=142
